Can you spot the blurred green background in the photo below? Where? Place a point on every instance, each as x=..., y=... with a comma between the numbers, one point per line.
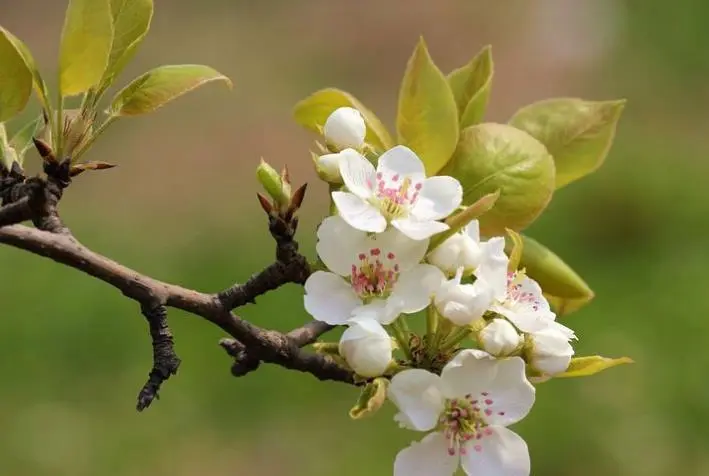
x=181, y=207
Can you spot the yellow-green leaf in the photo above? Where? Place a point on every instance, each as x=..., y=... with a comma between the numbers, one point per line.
x=159, y=86
x=427, y=119
x=81, y=168
x=585, y=366
x=566, y=290
x=15, y=78
x=471, y=85
x=313, y=111
x=22, y=140
x=492, y=157
x=131, y=22
x=577, y=133
x=461, y=219
x=85, y=46
x=515, y=247
x=371, y=399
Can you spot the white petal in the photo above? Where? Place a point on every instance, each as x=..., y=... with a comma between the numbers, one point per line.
x=525, y=321
x=510, y=392
x=402, y=161
x=462, y=304
x=429, y=457
x=359, y=213
x=438, y=198
x=551, y=352
x=473, y=231
x=329, y=298
x=345, y=127
x=419, y=230
x=366, y=347
x=339, y=245
x=407, y=252
x=416, y=287
x=384, y=311
x=417, y=395
x=499, y=338
x=500, y=452
x=493, y=266
x=469, y=372
x=357, y=173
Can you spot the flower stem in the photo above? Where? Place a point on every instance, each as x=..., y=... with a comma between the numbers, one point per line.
x=455, y=338
x=431, y=320
x=443, y=329
x=401, y=335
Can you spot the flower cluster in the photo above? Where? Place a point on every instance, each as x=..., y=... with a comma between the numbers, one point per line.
x=489, y=328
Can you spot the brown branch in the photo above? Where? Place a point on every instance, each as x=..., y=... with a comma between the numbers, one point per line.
x=16, y=212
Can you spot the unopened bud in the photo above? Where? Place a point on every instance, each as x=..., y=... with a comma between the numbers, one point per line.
x=549, y=351
x=366, y=347
x=499, y=338
x=345, y=128
x=272, y=182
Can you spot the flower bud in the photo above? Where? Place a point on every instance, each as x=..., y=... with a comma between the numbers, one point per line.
x=550, y=351
x=463, y=304
x=499, y=338
x=458, y=250
x=366, y=347
x=273, y=183
x=345, y=128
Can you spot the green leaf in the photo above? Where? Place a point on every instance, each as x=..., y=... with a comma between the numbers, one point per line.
x=313, y=111
x=515, y=248
x=22, y=140
x=131, y=22
x=161, y=85
x=471, y=85
x=85, y=46
x=585, y=366
x=427, y=120
x=371, y=399
x=15, y=78
x=7, y=153
x=462, y=218
x=568, y=292
x=577, y=133
x=497, y=156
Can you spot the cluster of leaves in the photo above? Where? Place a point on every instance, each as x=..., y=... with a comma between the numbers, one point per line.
x=543, y=147
x=98, y=40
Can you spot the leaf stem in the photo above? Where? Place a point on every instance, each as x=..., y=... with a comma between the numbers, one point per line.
x=89, y=142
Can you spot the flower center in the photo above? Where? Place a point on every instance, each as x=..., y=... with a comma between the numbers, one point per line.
x=375, y=275
x=394, y=195
x=463, y=421
x=516, y=293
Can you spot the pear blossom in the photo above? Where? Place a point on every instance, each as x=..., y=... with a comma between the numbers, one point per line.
x=521, y=301
x=345, y=128
x=366, y=347
x=466, y=249
x=397, y=192
x=499, y=338
x=468, y=409
x=463, y=304
x=550, y=351
x=370, y=276
x=328, y=165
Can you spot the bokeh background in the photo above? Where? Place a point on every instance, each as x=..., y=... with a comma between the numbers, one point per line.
x=181, y=207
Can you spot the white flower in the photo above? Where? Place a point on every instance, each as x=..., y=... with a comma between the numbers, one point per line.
x=470, y=404
x=550, y=351
x=375, y=277
x=328, y=165
x=366, y=347
x=463, y=304
x=345, y=128
x=397, y=192
x=524, y=305
x=465, y=249
x=499, y=338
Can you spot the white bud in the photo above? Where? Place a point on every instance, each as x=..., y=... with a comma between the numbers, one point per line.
x=345, y=128
x=550, y=352
x=458, y=250
x=366, y=347
x=463, y=304
x=328, y=165
x=499, y=338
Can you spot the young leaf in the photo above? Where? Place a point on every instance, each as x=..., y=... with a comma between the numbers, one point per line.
x=427, y=119
x=577, y=133
x=22, y=140
x=556, y=278
x=131, y=22
x=85, y=46
x=585, y=366
x=313, y=111
x=515, y=248
x=15, y=78
x=7, y=154
x=471, y=85
x=161, y=85
x=40, y=86
x=371, y=399
x=80, y=168
x=496, y=156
